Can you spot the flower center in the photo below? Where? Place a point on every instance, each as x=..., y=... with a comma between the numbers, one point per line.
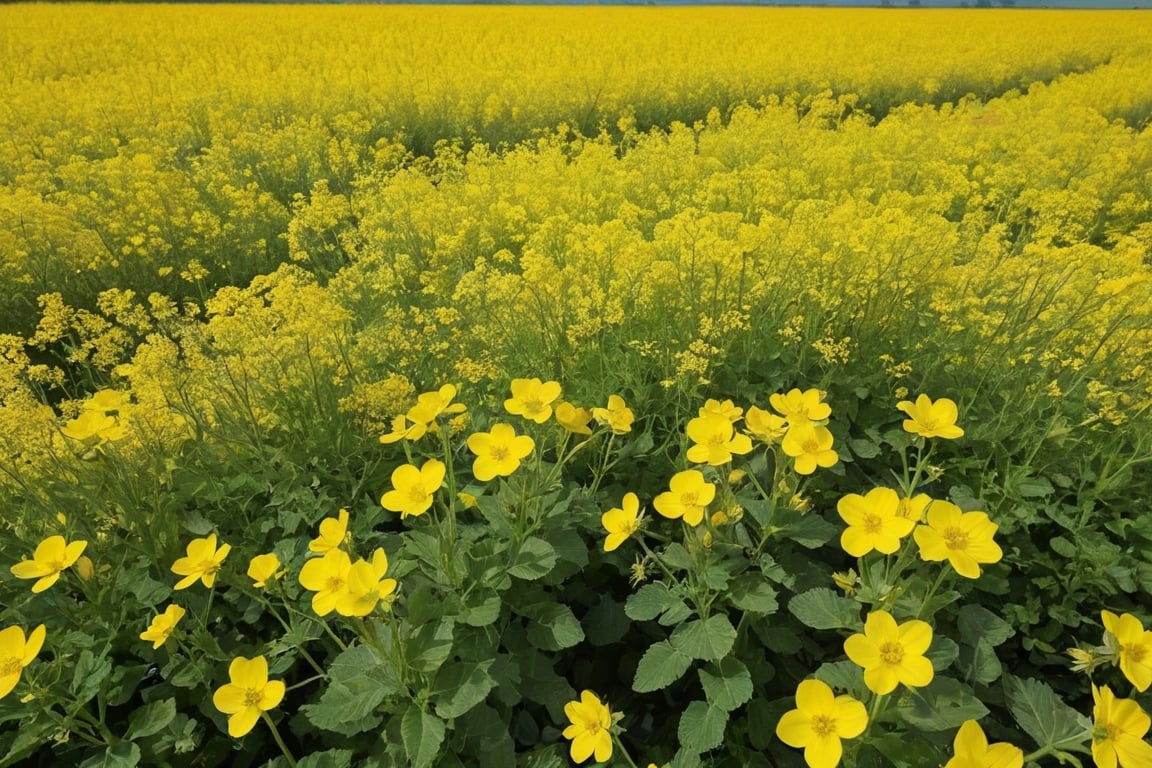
x=873, y=523
x=688, y=499
x=55, y=565
x=9, y=666
x=1134, y=652
x=499, y=452
x=955, y=538
x=252, y=697
x=892, y=653
x=824, y=725
x=533, y=406
x=416, y=494
x=811, y=446
x=335, y=583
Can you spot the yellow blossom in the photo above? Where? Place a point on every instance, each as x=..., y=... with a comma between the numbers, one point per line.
x=16, y=653
x=687, y=498
x=890, y=653
x=874, y=522
x=573, y=418
x=404, y=429
x=264, y=568
x=765, y=426
x=498, y=452
x=414, y=488
x=820, y=720
x=248, y=694
x=971, y=750
x=618, y=416
x=727, y=409
x=1133, y=646
x=365, y=586
x=202, y=562
x=810, y=445
x=964, y=539
x=94, y=428
x=1118, y=732
x=801, y=406
x=715, y=440
x=327, y=576
x=931, y=419
x=590, y=729
x=431, y=405
x=333, y=533
x=621, y=522
x=51, y=557
x=915, y=507
x=532, y=399
x=162, y=626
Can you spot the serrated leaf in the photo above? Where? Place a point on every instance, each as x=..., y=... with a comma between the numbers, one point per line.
x=701, y=727
x=423, y=733
x=754, y=594
x=1043, y=716
x=976, y=622
x=652, y=600
x=660, y=666
x=461, y=686
x=710, y=639
x=553, y=627
x=482, y=612
x=123, y=754
x=358, y=682
x=942, y=652
x=535, y=559
x=89, y=674
x=843, y=676
x=810, y=531
x=944, y=704
x=823, y=608
x=149, y=719
x=330, y=758
x=727, y=684
x=864, y=448
x=429, y=646
x=980, y=663
x=606, y=622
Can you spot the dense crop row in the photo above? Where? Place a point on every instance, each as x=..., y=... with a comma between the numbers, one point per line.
x=563, y=386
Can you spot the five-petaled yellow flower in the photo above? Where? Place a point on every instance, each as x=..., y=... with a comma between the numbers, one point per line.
x=574, y=418
x=765, y=426
x=590, y=730
x=51, y=557
x=800, y=407
x=16, y=652
x=413, y=488
x=892, y=653
x=404, y=429
x=162, y=626
x=264, y=568
x=333, y=533
x=811, y=446
x=727, y=409
x=498, y=452
x=820, y=720
x=964, y=539
x=931, y=419
x=249, y=693
x=365, y=586
x=202, y=563
x=1133, y=646
x=94, y=428
x=688, y=495
x=915, y=507
x=621, y=522
x=874, y=522
x=715, y=439
x=532, y=399
x=973, y=751
x=1118, y=732
x=618, y=416
x=430, y=405
x=328, y=577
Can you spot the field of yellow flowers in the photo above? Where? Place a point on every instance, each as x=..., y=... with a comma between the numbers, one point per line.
x=512, y=386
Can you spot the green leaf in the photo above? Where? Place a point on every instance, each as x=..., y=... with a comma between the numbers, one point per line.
x=752, y=593
x=482, y=611
x=864, y=448
x=535, y=559
x=329, y=758
x=553, y=627
x=123, y=754
x=655, y=599
x=978, y=623
x=428, y=647
x=461, y=686
x=701, y=727
x=606, y=622
x=150, y=718
x=710, y=640
x=358, y=682
x=944, y=704
x=980, y=663
x=89, y=674
x=486, y=738
x=423, y=733
x=942, y=652
x=810, y=531
x=661, y=665
x=843, y=676
x=1043, y=716
x=727, y=684
x=676, y=557
x=823, y=608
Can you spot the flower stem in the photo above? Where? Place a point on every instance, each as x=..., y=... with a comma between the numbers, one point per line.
x=624, y=751
x=279, y=741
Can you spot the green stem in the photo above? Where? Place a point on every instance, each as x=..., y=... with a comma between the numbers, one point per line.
x=624, y=751
x=279, y=741
x=931, y=591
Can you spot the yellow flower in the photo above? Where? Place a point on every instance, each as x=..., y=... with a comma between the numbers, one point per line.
x=106, y=401
x=203, y=562
x=874, y=522
x=467, y=499
x=820, y=721
x=1133, y=648
x=931, y=419
x=964, y=539
x=498, y=452
x=688, y=496
x=328, y=577
x=727, y=409
x=51, y=557
x=800, y=407
x=249, y=693
x=765, y=426
x=914, y=508
x=94, y=427
x=573, y=418
x=891, y=654
x=621, y=522
x=17, y=653
x=1118, y=732
x=85, y=568
x=617, y=415
x=716, y=440
x=263, y=568
x=431, y=405
x=366, y=586
x=162, y=625
x=811, y=446
x=333, y=533
x=404, y=429
x=414, y=488
x=590, y=729
x=532, y=399
x=973, y=751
